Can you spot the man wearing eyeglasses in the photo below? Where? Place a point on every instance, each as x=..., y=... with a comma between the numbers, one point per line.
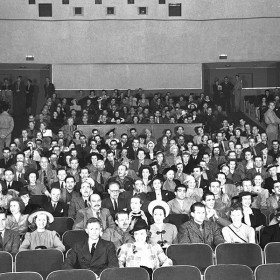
x=114, y=203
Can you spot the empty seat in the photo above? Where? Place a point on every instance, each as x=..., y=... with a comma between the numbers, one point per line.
x=247, y=254
x=38, y=200
x=179, y=272
x=198, y=255
x=70, y=237
x=272, y=252
x=177, y=219
x=61, y=224
x=6, y=261
x=41, y=261
x=126, y=273
x=228, y=272
x=21, y=276
x=268, y=271
x=72, y=274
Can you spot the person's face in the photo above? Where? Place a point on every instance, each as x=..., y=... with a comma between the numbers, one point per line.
x=216, y=151
x=191, y=183
x=195, y=150
x=140, y=236
x=70, y=184
x=41, y=221
x=246, y=201
x=197, y=173
x=209, y=202
x=110, y=157
x=32, y=178
x=158, y=216
x=157, y=184
x=135, y=204
x=121, y=171
x=160, y=157
x=263, y=137
x=100, y=165
x=135, y=143
x=2, y=221
x=94, y=231
x=138, y=186
x=84, y=173
x=145, y=173
x=95, y=202
x=276, y=189
x=74, y=164
x=236, y=216
x=19, y=166
x=206, y=158
x=215, y=188
x=123, y=221
x=272, y=171
x=275, y=145
x=114, y=191
x=61, y=175
x=6, y=154
x=258, y=162
x=198, y=215
x=179, y=167
x=141, y=155
x=25, y=198
x=9, y=176
x=170, y=175
x=172, y=143
x=225, y=169
x=181, y=193
x=14, y=207
x=247, y=186
x=248, y=156
x=258, y=180
x=124, y=138
x=85, y=189
x=55, y=195
x=44, y=163
x=232, y=165
x=20, y=158
x=271, y=106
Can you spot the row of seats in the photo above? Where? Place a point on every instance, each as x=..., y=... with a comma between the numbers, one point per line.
x=197, y=255
x=186, y=272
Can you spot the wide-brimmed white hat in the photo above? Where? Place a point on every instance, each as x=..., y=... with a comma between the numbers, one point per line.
x=39, y=212
x=159, y=203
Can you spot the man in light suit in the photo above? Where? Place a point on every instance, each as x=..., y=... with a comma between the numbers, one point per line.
x=141, y=160
x=180, y=204
x=6, y=127
x=257, y=170
x=10, y=238
x=100, y=175
x=94, y=211
x=94, y=253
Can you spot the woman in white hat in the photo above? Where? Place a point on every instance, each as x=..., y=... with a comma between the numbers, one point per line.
x=162, y=233
x=41, y=238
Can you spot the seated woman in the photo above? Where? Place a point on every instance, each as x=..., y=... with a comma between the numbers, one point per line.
x=41, y=238
x=146, y=173
x=163, y=144
x=141, y=253
x=17, y=221
x=238, y=232
x=263, y=194
x=158, y=193
x=136, y=212
x=5, y=198
x=34, y=186
x=162, y=233
x=193, y=191
x=161, y=161
x=170, y=182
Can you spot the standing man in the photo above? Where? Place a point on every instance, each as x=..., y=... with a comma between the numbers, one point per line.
x=49, y=88
x=227, y=88
x=6, y=127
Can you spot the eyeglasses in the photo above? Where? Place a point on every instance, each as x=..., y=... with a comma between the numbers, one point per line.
x=115, y=191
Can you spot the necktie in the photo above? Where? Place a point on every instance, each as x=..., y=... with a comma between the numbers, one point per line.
x=115, y=205
x=101, y=180
x=1, y=241
x=86, y=204
x=54, y=206
x=92, y=248
x=98, y=215
x=19, y=176
x=201, y=229
x=62, y=185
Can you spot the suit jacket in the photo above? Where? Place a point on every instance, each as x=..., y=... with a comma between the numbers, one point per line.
x=76, y=204
x=6, y=164
x=251, y=173
x=257, y=219
x=175, y=207
x=59, y=211
x=106, y=176
x=131, y=154
x=104, y=256
x=107, y=203
x=135, y=164
x=16, y=185
x=63, y=196
x=49, y=89
x=84, y=214
x=11, y=241
x=110, y=168
x=166, y=195
x=270, y=234
x=190, y=233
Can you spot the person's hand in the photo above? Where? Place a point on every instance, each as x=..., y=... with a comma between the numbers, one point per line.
x=259, y=228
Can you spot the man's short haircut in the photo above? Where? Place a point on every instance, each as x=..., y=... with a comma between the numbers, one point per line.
x=113, y=183
x=180, y=186
x=70, y=176
x=140, y=150
x=109, y=152
x=8, y=169
x=7, y=149
x=205, y=194
x=94, y=220
x=61, y=168
x=198, y=166
x=56, y=188
x=215, y=181
x=121, y=212
x=196, y=204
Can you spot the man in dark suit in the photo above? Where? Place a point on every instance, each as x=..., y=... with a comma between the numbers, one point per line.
x=199, y=180
x=111, y=164
x=94, y=253
x=114, y=203
x=195, y=157
x=49, y=88
x=257, y=170
x=54, y=206
x=8, y=183
x=9, y=239
x=6, y=161
x=132, y=151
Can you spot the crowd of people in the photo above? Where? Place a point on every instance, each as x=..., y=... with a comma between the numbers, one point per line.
x=129, y=192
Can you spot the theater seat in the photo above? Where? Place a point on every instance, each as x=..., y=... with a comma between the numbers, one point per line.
x=70, y=237
x=61, y=224
x=268, y=272
x=272, y=253
x=247, y=254
x=41, y=261
x=125, y=273
x=178, y=272
x=72, y=274
x=228, y=272
x=6, y=262
x=177, y=219
x=21, y=276
x=198, y=255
